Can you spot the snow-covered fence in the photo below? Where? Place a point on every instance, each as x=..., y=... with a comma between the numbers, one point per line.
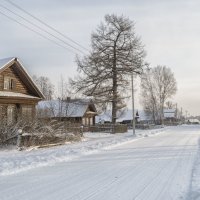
x=168, y=123
x=144, y=126
x=108, y=128
x=45, y=139
x=148, y=126
x=38, y=133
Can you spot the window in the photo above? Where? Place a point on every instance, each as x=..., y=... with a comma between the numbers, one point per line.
x=9, y=83
x=91, y=121
x=83, y=121
x=11, y=114
x=27, y=112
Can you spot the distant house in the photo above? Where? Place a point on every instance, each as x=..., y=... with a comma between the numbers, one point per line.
x=18, y=93
x=140, y=116
x=170, y=115
x=81, y=111
x=193, y=121
x=125, y=117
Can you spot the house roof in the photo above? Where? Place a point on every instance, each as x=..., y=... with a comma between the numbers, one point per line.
x=171, y=110
x=194, y=121
x=5, y=61
x=22, y=73
x=16, y=95
x=169, y=113
x=70, y=108
x=127, y=115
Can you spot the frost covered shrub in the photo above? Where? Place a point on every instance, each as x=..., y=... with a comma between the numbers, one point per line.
x=8, y=133
x=37, y=133
x=47, y=132
x=72, y=137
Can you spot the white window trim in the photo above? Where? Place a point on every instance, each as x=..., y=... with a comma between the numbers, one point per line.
x=8, y=83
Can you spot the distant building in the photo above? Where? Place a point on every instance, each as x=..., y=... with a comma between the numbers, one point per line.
x=170, y=115
x=125, y=117
x=193, y=121
x=81, y=111
x=18, y=93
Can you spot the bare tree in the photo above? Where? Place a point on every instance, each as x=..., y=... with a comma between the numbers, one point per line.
x=45, y=86
x=63, y=89
x=65, y=97
x=116, y=53
x=170, y=105
x=157, y=86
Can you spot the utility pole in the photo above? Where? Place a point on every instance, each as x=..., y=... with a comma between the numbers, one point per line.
x=133, y=105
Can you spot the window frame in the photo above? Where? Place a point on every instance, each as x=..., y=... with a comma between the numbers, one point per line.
x=11, y=114
x=27, y=112
x=8, y=83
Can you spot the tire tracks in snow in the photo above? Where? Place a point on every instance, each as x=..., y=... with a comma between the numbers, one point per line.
x=158, y=178
x=194, y=187
x=123, y=177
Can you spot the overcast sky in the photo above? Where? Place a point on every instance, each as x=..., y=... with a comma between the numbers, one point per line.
x=169, y=29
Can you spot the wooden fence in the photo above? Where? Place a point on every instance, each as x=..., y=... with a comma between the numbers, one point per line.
x=65, y=132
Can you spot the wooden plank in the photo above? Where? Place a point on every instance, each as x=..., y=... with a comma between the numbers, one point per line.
x=19, y=85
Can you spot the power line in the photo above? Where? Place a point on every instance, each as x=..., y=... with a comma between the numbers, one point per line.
x=36, y=32
x=41, y=28
x=47, y=25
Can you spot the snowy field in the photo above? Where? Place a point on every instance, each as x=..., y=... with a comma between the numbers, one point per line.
x=156, y=164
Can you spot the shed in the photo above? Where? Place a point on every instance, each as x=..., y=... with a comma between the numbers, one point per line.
x=75, y=110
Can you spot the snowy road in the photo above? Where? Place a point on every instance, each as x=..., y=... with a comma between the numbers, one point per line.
x=158, y=167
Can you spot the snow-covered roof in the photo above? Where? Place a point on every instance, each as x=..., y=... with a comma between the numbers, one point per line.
x=143, y=116
x=127, y=115
x=169, y=113
x=15, y=94
x=59, y=108
x=194, y=121
x=5, y=61
x=171, y=110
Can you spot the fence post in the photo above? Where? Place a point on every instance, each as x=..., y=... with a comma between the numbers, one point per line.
x=113, y=128
x=81, y=130
x=19, y=139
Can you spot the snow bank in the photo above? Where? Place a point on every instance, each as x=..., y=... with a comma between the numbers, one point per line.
x=13, y=161
x=194, y=190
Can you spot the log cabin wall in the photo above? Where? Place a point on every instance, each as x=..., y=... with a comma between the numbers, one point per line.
x=20, y=105
x=25, y=112
x=3, y=112
x=18, y=101
x=1, y=82
x=13, y=106
x=18, y=84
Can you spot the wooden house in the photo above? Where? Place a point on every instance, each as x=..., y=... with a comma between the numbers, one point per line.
x=80, y=111
x=18, y=93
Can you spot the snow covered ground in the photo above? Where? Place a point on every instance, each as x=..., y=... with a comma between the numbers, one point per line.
x=14, y=161
x=163, y=166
